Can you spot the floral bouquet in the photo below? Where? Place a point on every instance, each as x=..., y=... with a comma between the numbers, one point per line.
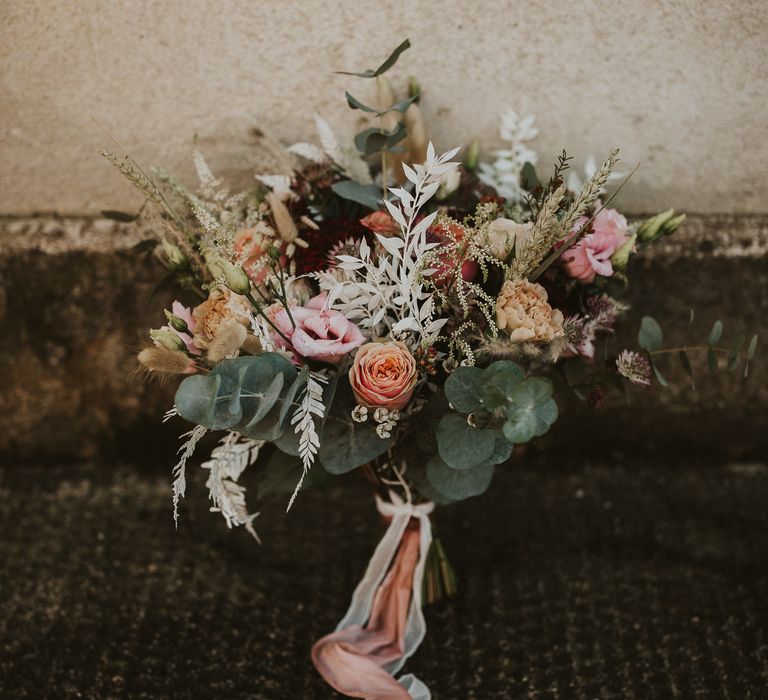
x=388, y=309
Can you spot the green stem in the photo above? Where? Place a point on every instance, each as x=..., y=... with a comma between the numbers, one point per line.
x=269, y=321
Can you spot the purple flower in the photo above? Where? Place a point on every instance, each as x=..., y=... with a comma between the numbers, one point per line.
x=634, y=366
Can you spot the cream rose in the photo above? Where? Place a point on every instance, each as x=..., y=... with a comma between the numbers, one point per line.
x=383, y=374
x=503, y=235
x=523, y=312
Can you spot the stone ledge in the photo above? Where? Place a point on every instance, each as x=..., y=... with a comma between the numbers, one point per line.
x=75, y=303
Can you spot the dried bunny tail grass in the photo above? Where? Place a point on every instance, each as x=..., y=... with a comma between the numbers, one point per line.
x=251, y=345
x=547, y=230
x=164, y=361
x=501, y=348
x=230, y=336
x=284, y=222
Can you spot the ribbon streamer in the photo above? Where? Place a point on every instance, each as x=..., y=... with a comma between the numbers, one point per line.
x=384, y=624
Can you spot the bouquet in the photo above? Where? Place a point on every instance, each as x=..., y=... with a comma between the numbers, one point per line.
x=388, y=309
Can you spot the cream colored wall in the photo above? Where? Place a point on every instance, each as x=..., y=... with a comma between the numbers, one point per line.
x=680, y=85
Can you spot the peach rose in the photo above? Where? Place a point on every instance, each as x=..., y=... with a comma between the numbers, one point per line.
x=383, y=374
x=382, y=223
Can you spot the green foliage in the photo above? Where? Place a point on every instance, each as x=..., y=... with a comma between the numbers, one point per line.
x=281, y=472
x=650, y=337
x=662, y=224
x=367, y=195
x=345, y=444
x=461, y=445
x=372, y=140
x=499, y=397
x=384, y=67
x=456, y=484
x=401, y=106
x=251, y=395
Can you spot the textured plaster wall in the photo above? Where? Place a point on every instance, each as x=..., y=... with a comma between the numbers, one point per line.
x=680, y=85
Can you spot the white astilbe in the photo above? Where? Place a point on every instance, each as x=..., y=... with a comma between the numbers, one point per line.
x=303, y=420
x=504, y=173
x=180, y=469
x=228, y=461
x=386, y=296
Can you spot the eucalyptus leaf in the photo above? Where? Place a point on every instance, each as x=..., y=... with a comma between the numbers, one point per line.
x=686, y=363
x=401, y=106
x=463, y=388
x=502, y=450
x=459, y=484
x=462, y=446
x=345, y=445
x=367, y=195
x=118, y=215
x=384, y=67
x=373, y=139
x=659, y=376
x=529, y=178
x=734, y=354
x=650, y=336
x=711, y=360
x=531, y=411
x=716, y=333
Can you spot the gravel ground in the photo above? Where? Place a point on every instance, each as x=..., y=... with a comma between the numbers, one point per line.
x=577, y=581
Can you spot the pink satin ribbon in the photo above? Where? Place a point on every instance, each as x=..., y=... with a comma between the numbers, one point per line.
x=352, y=659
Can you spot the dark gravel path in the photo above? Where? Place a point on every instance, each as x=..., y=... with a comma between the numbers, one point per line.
x=622, y=581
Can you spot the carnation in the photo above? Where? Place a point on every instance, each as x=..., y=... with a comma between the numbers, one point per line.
x=523, y=312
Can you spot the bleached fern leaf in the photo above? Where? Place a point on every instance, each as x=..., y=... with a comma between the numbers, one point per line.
x=228, y=461
x=354, y=167
x=180, y=469
x=303, y=420
x=308, y=151
x=279, y=184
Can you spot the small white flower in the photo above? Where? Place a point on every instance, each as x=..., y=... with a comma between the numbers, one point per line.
x=380, y=415
x=360, y=414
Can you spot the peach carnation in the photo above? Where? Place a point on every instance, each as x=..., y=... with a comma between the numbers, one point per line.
x=523, y=312
x=221, y=305
x=383, y=374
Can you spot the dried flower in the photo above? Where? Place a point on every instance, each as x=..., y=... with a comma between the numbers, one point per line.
x=522, y=310
x=360, y=414
x=579, y=336
x=230, y=336
x=221, y=304
x=162, y=360
x=634, y=366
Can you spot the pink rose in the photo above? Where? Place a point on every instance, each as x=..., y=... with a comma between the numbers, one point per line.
x=320, y=334
x=383, y=374
x=592, y=254
x=380, y=222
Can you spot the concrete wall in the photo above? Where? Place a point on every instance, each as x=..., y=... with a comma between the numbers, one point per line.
x=680, y=85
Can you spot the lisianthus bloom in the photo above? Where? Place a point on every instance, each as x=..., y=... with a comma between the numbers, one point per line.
x=320, y=334
x=591, y=255
x=382, y=223
x=185, y=314
x=383, y=375
x=523, y=312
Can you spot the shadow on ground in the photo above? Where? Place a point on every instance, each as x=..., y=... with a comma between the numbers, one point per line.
x=622, y=581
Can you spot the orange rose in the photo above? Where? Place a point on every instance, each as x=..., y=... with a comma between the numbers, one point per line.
x=382, y=223
x=383, y=374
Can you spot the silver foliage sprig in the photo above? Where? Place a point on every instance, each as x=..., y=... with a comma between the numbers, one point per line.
x=386, y=293
x=228, y=461
x=179, y=487
x=310, y=408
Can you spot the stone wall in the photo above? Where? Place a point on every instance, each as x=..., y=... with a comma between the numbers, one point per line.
x=680, y=86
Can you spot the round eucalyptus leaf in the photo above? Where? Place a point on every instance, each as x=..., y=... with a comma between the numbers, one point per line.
x=531, y=411
x=463, y=388
x=459, y=484
x=462, y=446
